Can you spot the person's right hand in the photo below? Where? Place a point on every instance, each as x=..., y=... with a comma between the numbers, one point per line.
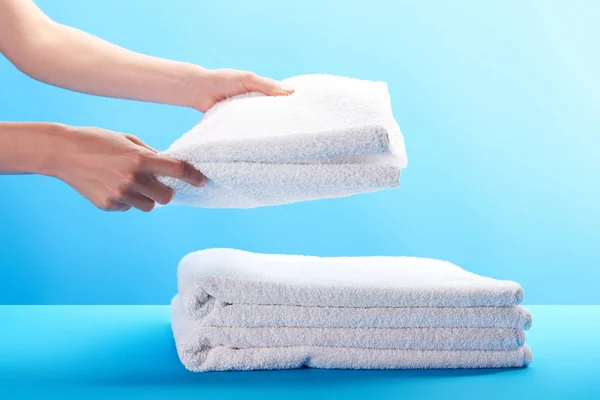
x=116, y=171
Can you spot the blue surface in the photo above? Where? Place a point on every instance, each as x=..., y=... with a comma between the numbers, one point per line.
x=498, y=101
x=71, y=351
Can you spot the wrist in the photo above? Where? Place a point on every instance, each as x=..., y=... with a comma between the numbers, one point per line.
x=194, y=86
x=49, y=149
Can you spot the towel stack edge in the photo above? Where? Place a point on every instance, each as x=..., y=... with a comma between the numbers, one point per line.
x=238, y=310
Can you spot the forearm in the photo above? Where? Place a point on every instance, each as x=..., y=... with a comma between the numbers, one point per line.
x=29, y=147
x=72, y=59
x=114, y=171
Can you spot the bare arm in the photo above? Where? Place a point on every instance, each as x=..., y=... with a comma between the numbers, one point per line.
x=26, y=147
x=67, y=57
x=112, y=170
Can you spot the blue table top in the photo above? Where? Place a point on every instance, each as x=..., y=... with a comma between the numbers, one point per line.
x=128, y=351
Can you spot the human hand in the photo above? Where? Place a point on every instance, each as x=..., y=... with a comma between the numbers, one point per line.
x=115, y=171
x=217, y=85
x=53, y=55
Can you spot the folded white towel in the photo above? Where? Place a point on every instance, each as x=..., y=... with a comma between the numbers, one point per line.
x=242, y=310
x=333, y=137
x=239, y=277
x=202, y=359
x=190, y=333
x=213, y=312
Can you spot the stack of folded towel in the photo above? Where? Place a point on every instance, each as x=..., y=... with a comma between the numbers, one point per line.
x=237, y=310
x=332, y=137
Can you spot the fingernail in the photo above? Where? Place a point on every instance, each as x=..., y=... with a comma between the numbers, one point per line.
x=282, y=92
x=201, y=183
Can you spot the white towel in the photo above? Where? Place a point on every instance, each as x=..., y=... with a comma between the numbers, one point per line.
x=333, y=137
x=239, y=277
x=213, y=312
x=238, y=310
x=191, y=333
x=203, y=359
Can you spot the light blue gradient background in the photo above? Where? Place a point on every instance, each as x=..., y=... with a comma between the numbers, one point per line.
x=499, y=103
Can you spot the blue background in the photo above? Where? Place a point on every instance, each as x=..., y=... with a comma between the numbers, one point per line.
x=499, y=103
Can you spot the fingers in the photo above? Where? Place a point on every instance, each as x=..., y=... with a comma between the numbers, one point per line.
x=151, y=188
x=143, y=190
x=119, y=207
x=138, y=201
x=256, y=83
x=143, y=196
x=139, y=142
x=163, y=166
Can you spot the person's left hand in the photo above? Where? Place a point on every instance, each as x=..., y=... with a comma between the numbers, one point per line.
x=223, y=83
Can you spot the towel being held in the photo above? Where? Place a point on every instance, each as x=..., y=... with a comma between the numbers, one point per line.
x=333, y=137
